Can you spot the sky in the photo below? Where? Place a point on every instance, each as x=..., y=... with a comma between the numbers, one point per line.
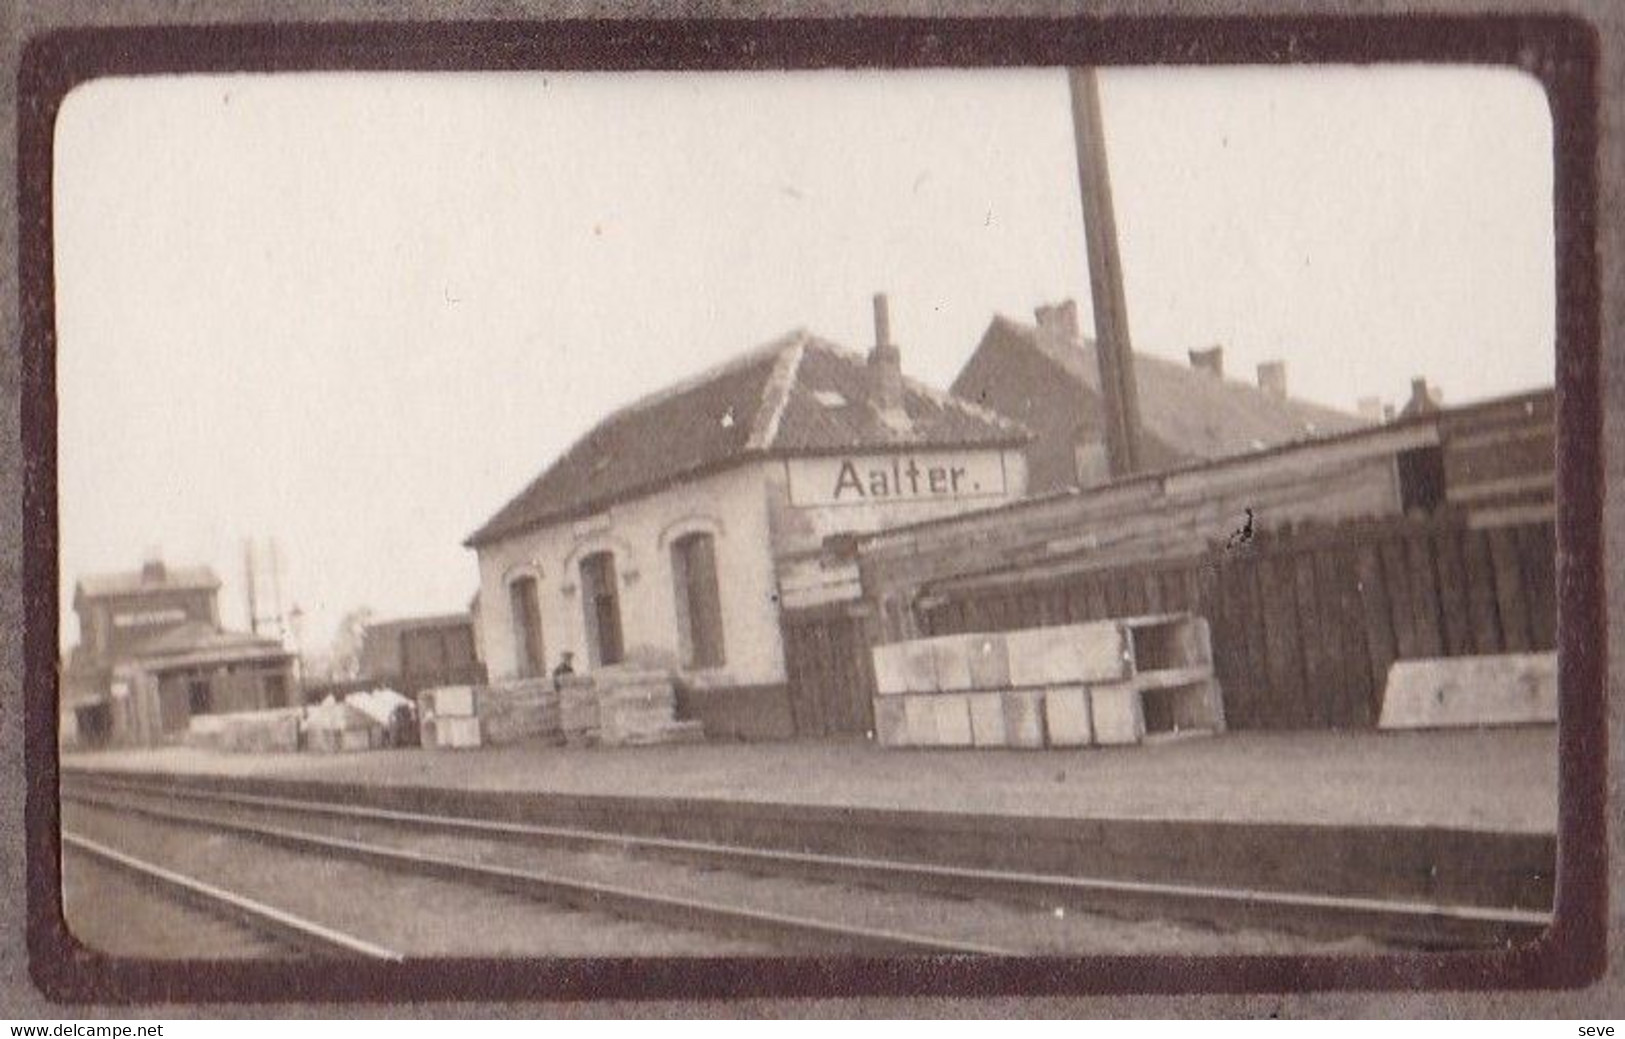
x=358, y=312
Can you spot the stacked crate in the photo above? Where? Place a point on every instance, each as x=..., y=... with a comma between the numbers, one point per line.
x=250, y=732
x=520, y=710
x=638, y=707
x=578, y=710
x=1071, y=686
x=447, y=717
x=332, y=726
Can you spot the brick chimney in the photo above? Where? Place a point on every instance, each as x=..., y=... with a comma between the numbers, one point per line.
x=1057, y=323
x=886, y=364
x=1424, y=398
x=152, y=569
x=1209, y=361
x=1272, y=378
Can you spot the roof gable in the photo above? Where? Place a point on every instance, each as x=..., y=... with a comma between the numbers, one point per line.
x=1192, y=412
x=136, y=582
x=796, y=395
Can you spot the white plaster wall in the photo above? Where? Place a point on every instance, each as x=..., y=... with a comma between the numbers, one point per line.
x=730, y=505
x=746, y=509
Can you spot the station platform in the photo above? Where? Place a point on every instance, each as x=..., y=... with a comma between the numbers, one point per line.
x=1493, y=780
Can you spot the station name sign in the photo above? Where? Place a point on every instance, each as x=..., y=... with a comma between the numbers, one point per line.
x=890, y=478
x=146, y=618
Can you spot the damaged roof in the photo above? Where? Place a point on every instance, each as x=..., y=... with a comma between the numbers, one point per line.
x=797, y=395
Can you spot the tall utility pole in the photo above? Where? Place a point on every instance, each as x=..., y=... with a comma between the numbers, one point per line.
x=248, y=584
x=1117, y=384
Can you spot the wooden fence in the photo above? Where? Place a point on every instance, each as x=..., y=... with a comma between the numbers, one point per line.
x=1306, y=622
x=831, y=672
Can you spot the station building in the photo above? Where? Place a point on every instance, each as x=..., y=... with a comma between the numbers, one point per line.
x=684, y=529
x=152, y=654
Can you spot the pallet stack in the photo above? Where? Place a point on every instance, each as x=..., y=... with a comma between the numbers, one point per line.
x=1103, y=683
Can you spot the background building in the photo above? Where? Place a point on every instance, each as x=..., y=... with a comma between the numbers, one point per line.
x=415, y=653
x=1047, y=377
x=152, y=654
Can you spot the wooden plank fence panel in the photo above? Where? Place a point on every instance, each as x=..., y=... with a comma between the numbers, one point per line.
x=1509, y=590
x=1316, y=667
x=1397, y=581
x=1482, y=611
x=1537, y=548
x=1453, y=605
x=1338, y=655
x=1424, y=594
x=1357, y=702
x=1382, y=647
x=1099, y=608
x=1281, y=641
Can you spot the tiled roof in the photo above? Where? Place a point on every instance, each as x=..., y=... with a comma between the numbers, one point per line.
x=133, y=582
x=1192, y=412
x=796, y=395
x=400, y=624
x=200, y=636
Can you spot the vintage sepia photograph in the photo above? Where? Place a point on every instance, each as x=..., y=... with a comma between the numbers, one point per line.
x=982, y=512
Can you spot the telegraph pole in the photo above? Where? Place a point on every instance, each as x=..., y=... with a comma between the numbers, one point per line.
x=1118, y=390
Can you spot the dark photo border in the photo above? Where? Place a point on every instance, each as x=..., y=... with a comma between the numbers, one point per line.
x=1560, y=52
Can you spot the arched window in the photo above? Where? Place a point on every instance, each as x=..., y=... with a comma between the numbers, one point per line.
x=526, y=607
x=699, y=604
x=600, y=601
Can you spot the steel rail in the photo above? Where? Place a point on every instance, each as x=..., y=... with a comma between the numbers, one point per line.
x=1407, y=919
x=797, y=932
x=258, y=915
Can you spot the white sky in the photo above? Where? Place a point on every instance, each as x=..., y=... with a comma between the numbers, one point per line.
x=358, y=312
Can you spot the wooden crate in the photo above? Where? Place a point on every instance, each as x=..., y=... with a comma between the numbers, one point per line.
x=891, y=721
x=989, y=661
x=987, y=719
x=457, y=732
x=953, y=723
x=356, y=739
x=1173, y=641
x=951, y=656
x=1067, y=654
x=1505, y=689
x=1116, y=713
x=905, y=667
x=1066, y=716
x=449, y=701
x=1023, y=717
x=1180, y=699
x=920, y=714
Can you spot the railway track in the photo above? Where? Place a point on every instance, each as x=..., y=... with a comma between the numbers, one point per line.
x=781, y=931
x=1408, y=922
x=282, y=926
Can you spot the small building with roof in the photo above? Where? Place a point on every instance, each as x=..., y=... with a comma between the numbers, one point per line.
x=1046, y=375
x=152, y=654
x=413, y=653
x=682, y=528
